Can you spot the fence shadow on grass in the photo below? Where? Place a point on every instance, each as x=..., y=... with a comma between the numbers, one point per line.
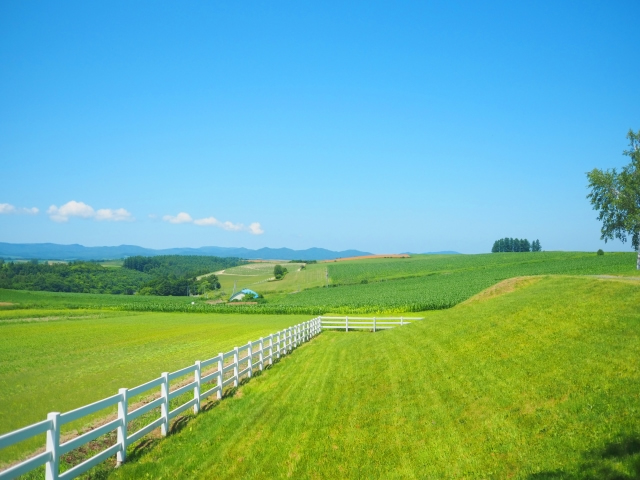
x=182, y=421
x=618, y=460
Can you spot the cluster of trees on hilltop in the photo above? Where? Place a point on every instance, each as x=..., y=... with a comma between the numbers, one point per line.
x=166, y=275
x=515, y=245
x=180, y=265
x=78, y=277
x=179, y=286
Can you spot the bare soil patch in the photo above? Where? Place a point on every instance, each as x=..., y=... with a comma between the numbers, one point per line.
x=6, y=304
x=506, y=286
x=363, y=257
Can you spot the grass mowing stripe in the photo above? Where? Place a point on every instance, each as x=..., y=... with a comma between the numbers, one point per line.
x=542, y=381
x=71, y=362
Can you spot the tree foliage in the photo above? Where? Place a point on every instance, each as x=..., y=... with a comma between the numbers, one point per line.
x=165, y=275
x=279, y=272
x=616, y=196
x=180, y=265
x=515, y=245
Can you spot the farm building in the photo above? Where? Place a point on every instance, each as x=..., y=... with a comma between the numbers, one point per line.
x=239, y=296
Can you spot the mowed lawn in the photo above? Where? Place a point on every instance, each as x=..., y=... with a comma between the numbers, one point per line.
x=58, y=360
x=539, y=382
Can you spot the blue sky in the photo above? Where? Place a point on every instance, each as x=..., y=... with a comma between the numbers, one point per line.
x=380, y=126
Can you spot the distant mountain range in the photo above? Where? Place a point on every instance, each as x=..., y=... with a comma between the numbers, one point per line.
x=53, y=251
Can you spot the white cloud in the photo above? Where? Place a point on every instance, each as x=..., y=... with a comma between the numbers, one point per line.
x=207, y=221
x=232, y=227
x=117, y=215
x=70, y=209
x=182, y=217
x=255, y=229
x=82, y=210
x=6, y=208
x=212, y=221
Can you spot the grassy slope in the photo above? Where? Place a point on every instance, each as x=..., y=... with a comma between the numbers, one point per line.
x=256, y=275
x=541, y=382
x=69, y=361
x=421, y=265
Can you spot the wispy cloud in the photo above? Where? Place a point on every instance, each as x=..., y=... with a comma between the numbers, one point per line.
x=7, y=208
x=117, y=215
x=212, y=221
x=183, y=217
x=82, y=210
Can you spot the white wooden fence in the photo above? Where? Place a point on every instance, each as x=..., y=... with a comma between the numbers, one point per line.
x=224, y=369
x=365, y=323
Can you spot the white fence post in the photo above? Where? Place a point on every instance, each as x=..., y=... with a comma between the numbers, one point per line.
x=197, y=387
x=220, y=374
x=235, y=366
x=261, y=355
x=52, y=467
x=164, y=406
x=123, y=409
x=346, y=325
x=250, y=359
x=401, y=321
x=374, y=324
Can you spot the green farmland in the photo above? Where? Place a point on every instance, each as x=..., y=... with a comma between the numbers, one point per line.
x=534, y=377
x=67, y=359
x=538, y=383
x=423, y=282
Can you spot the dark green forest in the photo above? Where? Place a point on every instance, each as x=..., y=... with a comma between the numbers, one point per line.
x=164, y=275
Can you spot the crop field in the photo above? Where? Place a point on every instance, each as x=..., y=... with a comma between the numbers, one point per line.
x=57, y=360
x=430, y=282
x=538, y=381
x=425, y=282
x=500, y=265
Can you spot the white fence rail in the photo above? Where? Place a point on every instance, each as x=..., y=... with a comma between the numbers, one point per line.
x=365, y=323
x=224, y=369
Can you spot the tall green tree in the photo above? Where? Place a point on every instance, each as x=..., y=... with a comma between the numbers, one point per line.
x=616, y=196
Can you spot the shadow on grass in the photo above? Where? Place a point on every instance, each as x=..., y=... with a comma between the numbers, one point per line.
x=618, y=460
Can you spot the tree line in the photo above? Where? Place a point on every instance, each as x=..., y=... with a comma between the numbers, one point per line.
x=167, y=275
x=515, y=245
x=180, y=265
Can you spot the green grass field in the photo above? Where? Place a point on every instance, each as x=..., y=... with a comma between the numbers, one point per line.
x=258, y=276
x=541, y=382
x=57, y=360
